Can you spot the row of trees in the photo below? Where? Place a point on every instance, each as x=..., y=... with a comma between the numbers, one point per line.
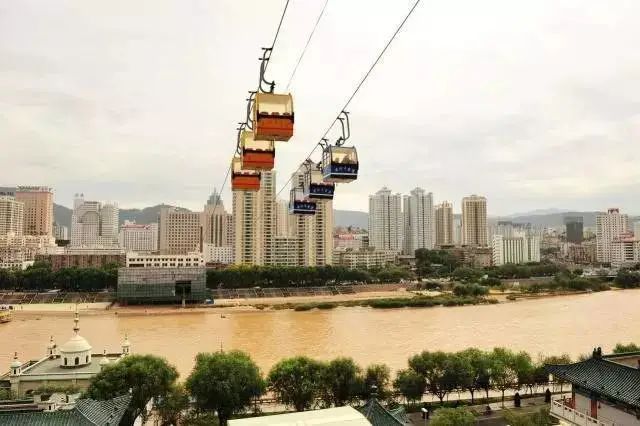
x=229, y=383
x=279, y=276
x=39, y=276
x=628, y=278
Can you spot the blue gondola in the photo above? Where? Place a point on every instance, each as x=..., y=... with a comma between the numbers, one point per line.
x=315, y=187
x=299, y=204
x=339, y=164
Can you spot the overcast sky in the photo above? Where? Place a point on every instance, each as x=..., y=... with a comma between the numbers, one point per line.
x=534, y=104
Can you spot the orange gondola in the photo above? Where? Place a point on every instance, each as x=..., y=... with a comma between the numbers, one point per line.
x=243, y=180
x=256, y=155
x=273, y=117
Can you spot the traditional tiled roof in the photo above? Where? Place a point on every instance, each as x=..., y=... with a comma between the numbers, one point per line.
x=87, y=412
x=611, y=379
x=380, y=416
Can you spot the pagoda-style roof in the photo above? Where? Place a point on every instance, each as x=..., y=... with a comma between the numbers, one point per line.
x=87, y=412
x=616, y=381
x=380, y=416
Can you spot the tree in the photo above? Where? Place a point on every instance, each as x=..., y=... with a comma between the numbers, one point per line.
x=296, y=382
x=503, y=372
x=541, y=374
x=340, y=381
x=225, y=382
x=147, y=376
x=171, y=407
x=525, y=371
x=627, y=279
x=453, y=417
x=377, y=375
x=475, y=373
x=410, y=384
x=439, y=370
x=622, y=348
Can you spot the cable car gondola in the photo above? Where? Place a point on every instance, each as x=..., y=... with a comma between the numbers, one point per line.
x=339, y=163
x=315, y=187
x=299, y=204
x=256, y=155
x=273, y=116
x=241, y=179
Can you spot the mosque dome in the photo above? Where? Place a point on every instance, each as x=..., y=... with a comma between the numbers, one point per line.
x=76, y=352
x=76, y=344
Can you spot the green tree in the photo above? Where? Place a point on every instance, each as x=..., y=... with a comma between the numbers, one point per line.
x=172, y=406
x=147, y=376
x=453, y=417
x=340, y=381
x=296, y=382
x=627, y=279
x=410, y=384
x=439, y=369
x=225, y=382
x=378, y=375
x=475, y=371
x=623, y=348
x=541, y=376
x=503, y=371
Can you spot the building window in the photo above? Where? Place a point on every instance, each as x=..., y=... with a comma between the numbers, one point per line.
x=77, y=360
x=65, y=361
x=87, y=359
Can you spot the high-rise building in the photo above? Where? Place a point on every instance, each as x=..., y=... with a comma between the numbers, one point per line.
x=285, y=249
x=135, y=237
x=38, y=209
x=457, y=230
x=254, y=222
x=625, y=250
x=636, y=230
x=11, y=216
x=419, y=221
x=179, y=231
x=609, y=226
x=93, y=224
x=519, y=248
x=474, y=221
x=314, y=232
x=444, y=224
x=60, y=232
x=285, y=222
x=385, y=221
x=574, y=229
x=214, y=222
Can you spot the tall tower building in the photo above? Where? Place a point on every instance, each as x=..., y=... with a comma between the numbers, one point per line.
x=419, y=221
x=609, y=226
x=474, y=221
x=314, y=232
x=574, y=229
x=214, y=222
x=93, y=224
x=385, y=221
x=444, y=224
x=285, y=222
x=38, y=209
x=179, y=231
x=254, y=222
x=11, y=216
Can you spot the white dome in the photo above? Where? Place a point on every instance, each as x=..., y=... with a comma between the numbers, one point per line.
x=76, y=344
x=16, y=363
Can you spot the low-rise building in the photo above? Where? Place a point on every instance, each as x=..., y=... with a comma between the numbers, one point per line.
x=138, y=237
x=515, y=249
x=605, y=390
x=477, y=257
x=148, y=260
x=19, y=251
x=364, y=259
x=353, y=241
x=74, y=363
x=625, y=250
x=84, y=258
x=162, y=284
x=217, y=255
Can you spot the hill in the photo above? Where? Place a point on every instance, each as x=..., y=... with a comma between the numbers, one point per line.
x=62, y=214
x=351, y=218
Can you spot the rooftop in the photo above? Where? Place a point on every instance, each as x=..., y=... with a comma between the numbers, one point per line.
x=52, y=366
x=87, y=412
x=603, y=375
x=330, y=416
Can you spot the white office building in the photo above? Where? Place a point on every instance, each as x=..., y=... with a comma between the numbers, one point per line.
x=419, y=221
x=60, y=232
x=94, y=224
x=386, y=228
x=11, y=216
x=219, y=255
x=609, y=226
x=138, y=237
x=516, y=249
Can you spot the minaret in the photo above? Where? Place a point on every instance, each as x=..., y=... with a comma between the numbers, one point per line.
x=16, y=365
x=126, y=346
x=76, y=320
x=51, y=348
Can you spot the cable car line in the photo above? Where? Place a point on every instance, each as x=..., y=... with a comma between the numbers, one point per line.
x=355, y=92
x=304, y=50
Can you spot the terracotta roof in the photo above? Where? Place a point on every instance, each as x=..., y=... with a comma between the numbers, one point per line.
x=616, y=381
x=87, y=412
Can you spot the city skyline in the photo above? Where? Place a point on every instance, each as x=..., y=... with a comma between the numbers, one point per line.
x=132, y=127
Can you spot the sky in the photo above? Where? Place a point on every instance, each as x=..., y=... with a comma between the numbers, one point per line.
x=533, y=104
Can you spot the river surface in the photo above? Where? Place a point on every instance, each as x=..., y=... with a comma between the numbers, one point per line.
x=566, y=324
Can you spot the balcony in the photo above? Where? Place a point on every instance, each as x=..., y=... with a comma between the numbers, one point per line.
x=561, y=409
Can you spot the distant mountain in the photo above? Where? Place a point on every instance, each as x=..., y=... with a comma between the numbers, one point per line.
x=540, y=212
x=346, y=218
x=62, y=214
x=550, y=220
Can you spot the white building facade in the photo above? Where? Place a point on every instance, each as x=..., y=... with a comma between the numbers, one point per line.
x=474, y=221
x=11, y=216
x=94, y=224
x=386, y=227
x=419, y=221
x=609, y=226
x=219, y=255
x=138, y=237
x=444, y=224
x=522, y=248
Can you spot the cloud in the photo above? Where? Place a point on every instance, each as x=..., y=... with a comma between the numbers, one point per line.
x=534, y=105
